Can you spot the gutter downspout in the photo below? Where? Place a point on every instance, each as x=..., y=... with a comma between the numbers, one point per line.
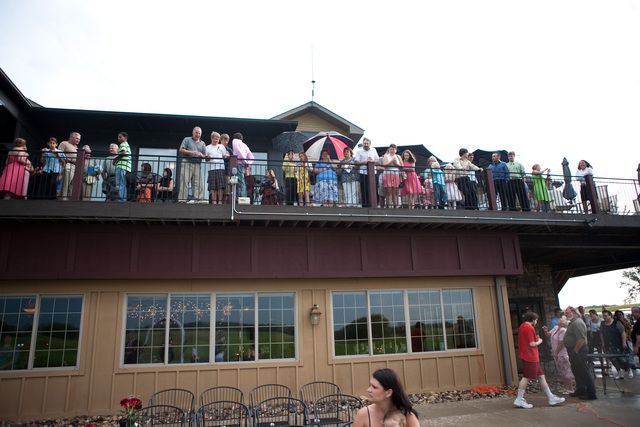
x=504, y=338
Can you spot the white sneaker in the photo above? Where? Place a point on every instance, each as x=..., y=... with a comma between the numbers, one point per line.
x=554, y=400
x=191, y=201
x=620, y=376
x=629, y=373
x=521, y=403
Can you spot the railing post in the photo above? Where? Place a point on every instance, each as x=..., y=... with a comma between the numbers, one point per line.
x=592, y=194
x=78, y=176
x=371, y=184
x=233, y=163
x=491, y=190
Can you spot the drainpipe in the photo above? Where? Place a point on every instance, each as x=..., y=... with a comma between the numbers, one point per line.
x=504, y=338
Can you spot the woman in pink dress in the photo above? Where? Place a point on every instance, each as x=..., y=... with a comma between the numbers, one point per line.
x=391, y=176
x=15, y=176
x=412, y=187
x=560, y=355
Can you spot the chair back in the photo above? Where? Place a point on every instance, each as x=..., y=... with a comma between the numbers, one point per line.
x=214, y=394
x=223, y=413
x=312, y=391
x=267, y=391
x=281, y=411
x=156, y=415
x=177, y=397
x=335, y=409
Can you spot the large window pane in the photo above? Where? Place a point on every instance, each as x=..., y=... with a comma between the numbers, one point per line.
x=59, y=332
x=459, y=318
x=276, y=326
x=16, y=325
x=145, y=334
x=388, y=333
x=189, y=328
x=235, y=328
x=425, y=318
x=351, y=336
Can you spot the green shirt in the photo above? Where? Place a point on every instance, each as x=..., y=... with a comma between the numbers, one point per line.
x=516, y=170
x=125, y=161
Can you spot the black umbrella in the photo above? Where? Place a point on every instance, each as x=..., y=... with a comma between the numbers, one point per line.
x=421, y=153
x=289, y=141
x=482, y=158
x=568, y=193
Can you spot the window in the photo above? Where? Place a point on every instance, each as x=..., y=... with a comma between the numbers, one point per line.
x=390, y=321
x=244, y=324
x=57, y=331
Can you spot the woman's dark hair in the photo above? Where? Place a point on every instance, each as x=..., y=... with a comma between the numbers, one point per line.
x=238, y=135
x=586, y=164
x=168, y=171
x=617, y=312
x=529, y=316
x=607, y=312
x=145, y=167
x=389, y=381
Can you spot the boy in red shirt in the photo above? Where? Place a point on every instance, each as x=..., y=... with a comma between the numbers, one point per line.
x=528, y=342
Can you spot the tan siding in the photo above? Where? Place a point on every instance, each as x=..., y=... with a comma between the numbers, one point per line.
x=309, y=122
x=101, y=382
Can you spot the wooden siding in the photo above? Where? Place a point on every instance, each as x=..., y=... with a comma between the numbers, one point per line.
x=101, y=381
x=98, y=251
x=310, y=122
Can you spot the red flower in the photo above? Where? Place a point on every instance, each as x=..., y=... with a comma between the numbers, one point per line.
x=130, y=405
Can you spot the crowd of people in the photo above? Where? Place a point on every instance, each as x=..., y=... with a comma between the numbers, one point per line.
x=325, y=182
x=574, y=335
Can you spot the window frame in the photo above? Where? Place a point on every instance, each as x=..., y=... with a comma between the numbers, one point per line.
x=212, y=329
x=34, y=331
x=407, y=320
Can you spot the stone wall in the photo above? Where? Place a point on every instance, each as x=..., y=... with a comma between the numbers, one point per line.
x=536, y=282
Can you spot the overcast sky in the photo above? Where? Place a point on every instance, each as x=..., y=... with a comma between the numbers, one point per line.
x=547, y=79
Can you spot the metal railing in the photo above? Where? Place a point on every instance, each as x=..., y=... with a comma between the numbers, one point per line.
x=167, y=179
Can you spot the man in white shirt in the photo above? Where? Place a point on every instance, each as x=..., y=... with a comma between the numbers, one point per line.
x=362, y=157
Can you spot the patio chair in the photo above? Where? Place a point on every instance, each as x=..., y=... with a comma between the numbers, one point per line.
x=223, y=413
x=157, y=415
x=312, y=391
x=335, y=409
x=220, y=393
x=280, y=411
x=267, y=391
x=177, y=397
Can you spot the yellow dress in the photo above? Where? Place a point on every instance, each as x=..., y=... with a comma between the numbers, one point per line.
x=302, y=175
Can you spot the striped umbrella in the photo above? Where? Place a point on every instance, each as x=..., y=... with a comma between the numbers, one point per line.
x=333, y=142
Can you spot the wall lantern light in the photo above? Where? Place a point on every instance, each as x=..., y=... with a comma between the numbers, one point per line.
x=315, y=314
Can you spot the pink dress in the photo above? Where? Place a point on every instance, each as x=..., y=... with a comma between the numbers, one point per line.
x=15, y=178
x=411, y=182
x=562, y=358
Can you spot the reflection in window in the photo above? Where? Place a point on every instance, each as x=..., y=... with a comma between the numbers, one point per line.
x=145, y=329
x=189, y=328
x=437, y=321
x=350, y=330
x=16, y=327
x=235, y=328
x=276, y=326
x=58, y=332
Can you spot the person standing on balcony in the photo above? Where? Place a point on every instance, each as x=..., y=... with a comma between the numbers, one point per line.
x=192, y=151
x=108, y=171
x=584, y=169
x=463, y=180
x=517, y=187
x=15, y=176
x=500, y=173
x=245, y=159
x=290, y=181
x=216, y=182
x=362, y=157
x=224, y=140
x=52, y=165
x=70, y=150
x=540, y=192
x=122, y=163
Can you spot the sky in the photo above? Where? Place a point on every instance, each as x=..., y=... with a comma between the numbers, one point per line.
x=547, y=79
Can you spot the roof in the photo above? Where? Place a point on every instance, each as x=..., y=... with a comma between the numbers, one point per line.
x=355, y=132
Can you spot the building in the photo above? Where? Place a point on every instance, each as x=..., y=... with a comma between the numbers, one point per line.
x=99, y=301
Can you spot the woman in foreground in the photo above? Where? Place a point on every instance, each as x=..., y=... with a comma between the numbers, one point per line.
x=387, y=397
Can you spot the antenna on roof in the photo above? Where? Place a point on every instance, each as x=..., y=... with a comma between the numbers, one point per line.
x=313, y=80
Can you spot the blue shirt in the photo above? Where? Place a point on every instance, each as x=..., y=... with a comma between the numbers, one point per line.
x=326, y=175
x=437, y=176
x=499, y=170
x=52, y=164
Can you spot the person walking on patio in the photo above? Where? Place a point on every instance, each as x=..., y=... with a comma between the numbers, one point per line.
x=575, y=340
x=528, y=342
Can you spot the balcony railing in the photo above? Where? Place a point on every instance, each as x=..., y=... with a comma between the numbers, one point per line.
x=311, y=184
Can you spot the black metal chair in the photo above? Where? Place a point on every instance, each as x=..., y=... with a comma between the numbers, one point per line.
x=335, y=409
x=312, y=391
x=215, y=394
x=267, y=391
x=280, y=411
x=223, y=413
x=178, y=397
x=158, y=415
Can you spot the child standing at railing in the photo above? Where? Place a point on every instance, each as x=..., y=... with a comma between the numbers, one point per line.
x=540, y=192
